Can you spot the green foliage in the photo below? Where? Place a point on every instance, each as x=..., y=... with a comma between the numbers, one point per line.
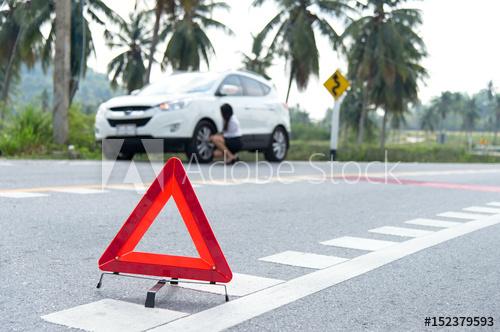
x=296, y=26
x=81, y=133
x=29, y=132
x=258, y=62
x=129, y=66
x=189, y=43
x=384, y=55
x=83, y=13
x=303, y=150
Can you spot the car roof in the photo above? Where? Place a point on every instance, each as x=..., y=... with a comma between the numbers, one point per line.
x=243, y=72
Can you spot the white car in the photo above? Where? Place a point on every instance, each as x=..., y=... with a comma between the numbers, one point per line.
x=183, y=110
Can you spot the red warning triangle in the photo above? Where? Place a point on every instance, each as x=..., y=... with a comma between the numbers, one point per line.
x=121, y=257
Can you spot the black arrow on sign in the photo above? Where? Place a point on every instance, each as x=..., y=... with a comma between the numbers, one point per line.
x=337, y=84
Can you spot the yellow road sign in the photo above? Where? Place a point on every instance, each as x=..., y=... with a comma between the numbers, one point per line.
x=337, y=84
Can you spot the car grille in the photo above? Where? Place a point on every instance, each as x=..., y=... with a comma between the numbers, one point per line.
x=137, y=122
x=129, y=108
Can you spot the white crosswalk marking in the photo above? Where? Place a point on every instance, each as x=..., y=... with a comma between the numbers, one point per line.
x=81, y=191
x=19, y=194
x=462, y=215
x=110, y=315
x=360, y=243
x=400, y=231
x=304, y=259
x=482, y=209
x=433, y=223
x=240, y=285
x=494, y=204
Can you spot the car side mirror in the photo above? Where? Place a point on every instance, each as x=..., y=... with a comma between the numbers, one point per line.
x=135, y=92
x=229, y=90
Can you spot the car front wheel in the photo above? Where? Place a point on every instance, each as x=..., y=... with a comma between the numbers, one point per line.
x=278, y=147
x=200, y=146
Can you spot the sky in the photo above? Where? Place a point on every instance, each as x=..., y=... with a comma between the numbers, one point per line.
x=462, y=39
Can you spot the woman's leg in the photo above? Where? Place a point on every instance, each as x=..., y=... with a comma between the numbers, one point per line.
x=218, y=141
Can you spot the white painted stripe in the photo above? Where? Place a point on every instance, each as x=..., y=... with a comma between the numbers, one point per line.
x=5, y=163
x=400, y=231
x=81, y=191
x=19, y=194
x=110, y=315
x=358, y=243
x=493, y=204
x=433, y=223
x=240, y=285
x=304, y=259
x=239, y=310
x=482, y=209
x=462, y=215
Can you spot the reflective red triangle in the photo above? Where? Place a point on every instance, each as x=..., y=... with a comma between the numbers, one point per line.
x=121, y=257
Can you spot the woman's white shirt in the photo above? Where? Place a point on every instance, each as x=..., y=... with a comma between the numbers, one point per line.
x=233, y=128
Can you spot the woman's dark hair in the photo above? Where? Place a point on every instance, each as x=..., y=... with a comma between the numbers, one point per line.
x=227, y=112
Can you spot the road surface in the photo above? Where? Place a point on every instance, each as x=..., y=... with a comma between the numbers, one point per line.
x=321, y=247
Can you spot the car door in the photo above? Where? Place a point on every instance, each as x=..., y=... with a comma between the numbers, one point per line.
x=257, y=109
x=237, y=102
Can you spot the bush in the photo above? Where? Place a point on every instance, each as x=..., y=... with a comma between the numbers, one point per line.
x=81, y=130
x=309, y=131
x=302, y=150
x=28, y=132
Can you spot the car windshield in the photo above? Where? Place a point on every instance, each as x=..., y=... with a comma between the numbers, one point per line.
x=181, y=83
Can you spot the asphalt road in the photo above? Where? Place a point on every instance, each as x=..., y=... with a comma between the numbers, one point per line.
x=57, y=217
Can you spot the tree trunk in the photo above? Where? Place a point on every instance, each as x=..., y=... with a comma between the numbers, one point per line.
x=362, y=118
x=9, y=72
x=154, y=40
x=361, y=127
x=497, y=124
x=384, y=129
x=62, y=71
x=292, y=73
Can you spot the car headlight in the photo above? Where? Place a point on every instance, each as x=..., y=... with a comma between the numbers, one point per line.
x=173, y=105
x=101, y=110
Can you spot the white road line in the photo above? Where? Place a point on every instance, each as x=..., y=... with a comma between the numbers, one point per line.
x=19, y=194
x=433, y=223
x=240, y=285
x=358, y=243
x=304, y=259
x=462, y=215
x=482, y=209
x=237, y=311
x=80, y=191
x=400, y=231
x=110, y=315
x=493, y=204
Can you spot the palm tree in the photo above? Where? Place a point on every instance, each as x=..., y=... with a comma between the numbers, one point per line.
x=16, y=41
x=162, y=8
x=189, y=42
x=82, y=45
x=429, y=119
x=470, y=116
x=128, y=66
x=443, y=106
x=384, y=56
x=297, y=23
x=497, y=117
x=257, y=62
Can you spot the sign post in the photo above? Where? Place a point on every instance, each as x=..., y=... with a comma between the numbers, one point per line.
x=336, y=84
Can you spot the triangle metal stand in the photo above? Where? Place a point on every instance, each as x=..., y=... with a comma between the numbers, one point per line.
x=151, y=295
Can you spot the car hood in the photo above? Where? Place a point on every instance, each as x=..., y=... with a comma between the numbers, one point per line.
x=139, y=100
